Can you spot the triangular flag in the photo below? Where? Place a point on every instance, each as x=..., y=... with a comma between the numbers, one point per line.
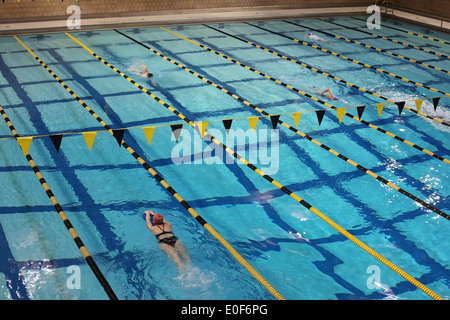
x=89, y=137
x=340, y=113
x=419, y=104
x=400, y=105
x=25, y=144
x=360, y=111
x=296, y=116
x=148, y=131
x=176, y=129
x=253, y=121
x=202, y=127
x=56, y=139
x=118, y=134
x=274, y=120
x=435, y=102
x=320, y=114
x=227, y=124
x=380, y=107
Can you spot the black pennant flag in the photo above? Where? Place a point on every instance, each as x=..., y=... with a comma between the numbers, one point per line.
x=320, y=115
x=56, y=139
x=118, y=134
x=274, y=120
x=435, y=102
x=400, y=105
x=176, y=129
x=227, y=124
x=360, y=111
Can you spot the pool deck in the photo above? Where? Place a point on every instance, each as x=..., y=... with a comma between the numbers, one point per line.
x=58, y=24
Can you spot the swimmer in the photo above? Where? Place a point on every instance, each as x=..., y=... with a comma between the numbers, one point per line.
x=166, y=239
x=331, y=96
x=314, y=37
x=149, y=75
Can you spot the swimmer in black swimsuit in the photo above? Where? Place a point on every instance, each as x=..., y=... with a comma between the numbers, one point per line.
x=167, y=241
x=149, y=75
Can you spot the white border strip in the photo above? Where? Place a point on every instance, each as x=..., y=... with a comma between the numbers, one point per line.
x=196, y=16
x=184, y=17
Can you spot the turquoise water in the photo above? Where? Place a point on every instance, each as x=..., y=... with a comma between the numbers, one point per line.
x=105, y=191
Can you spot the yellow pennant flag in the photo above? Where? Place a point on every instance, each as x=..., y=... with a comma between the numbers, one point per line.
x=25, y=143
x=380, y=107
x=253, y=121
x=148, y=131
x=89, y=137
x=202, y=127
x=296, y=117
x=419, y=104
x=340, y=113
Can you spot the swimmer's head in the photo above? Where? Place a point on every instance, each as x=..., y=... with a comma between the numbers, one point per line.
x=309, y=33
x=158, y=219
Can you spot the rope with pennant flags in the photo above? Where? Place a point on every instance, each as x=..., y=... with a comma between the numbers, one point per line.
x=90, y=136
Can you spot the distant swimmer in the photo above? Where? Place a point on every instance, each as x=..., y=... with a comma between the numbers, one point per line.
x=315, y=37
x=331, y=96
x=149, y=75
x=167, y=241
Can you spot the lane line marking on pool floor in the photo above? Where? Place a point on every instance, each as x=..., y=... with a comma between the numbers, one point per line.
x=158, y=177
x=277, y=184
x=311, y=97
x=76, y=238
x=412, y=33
x=370, y=47
x=341, y=156
x=359, y=63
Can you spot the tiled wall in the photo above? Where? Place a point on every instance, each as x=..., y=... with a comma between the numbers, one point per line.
x=43, y=9
x=52, y=8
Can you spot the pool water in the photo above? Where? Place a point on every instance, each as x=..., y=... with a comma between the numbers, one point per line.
x=105, y=191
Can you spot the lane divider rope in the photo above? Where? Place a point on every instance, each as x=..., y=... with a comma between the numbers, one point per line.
x=315, y=99
x=371, y=47
x=274, y=182
x=366, y=66
x=76, y=238
x=158, y=177
x=342, y=157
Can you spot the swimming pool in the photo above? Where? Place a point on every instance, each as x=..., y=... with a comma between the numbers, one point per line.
x=212, y=73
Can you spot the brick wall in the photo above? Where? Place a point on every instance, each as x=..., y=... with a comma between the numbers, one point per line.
x=43, y=9
x=433, y=8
